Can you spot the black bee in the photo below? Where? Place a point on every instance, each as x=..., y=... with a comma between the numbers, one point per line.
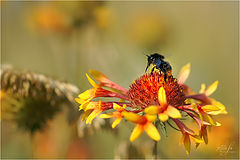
x=158, y=62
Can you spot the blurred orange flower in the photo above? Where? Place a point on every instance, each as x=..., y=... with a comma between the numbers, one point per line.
x=48, y=19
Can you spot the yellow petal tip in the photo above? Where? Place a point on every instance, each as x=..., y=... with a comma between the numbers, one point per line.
x=184, y=73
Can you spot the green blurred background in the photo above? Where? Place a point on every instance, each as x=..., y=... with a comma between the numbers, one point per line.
x=66, y=39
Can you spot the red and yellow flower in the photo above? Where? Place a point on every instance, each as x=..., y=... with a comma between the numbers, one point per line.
x=149, y=97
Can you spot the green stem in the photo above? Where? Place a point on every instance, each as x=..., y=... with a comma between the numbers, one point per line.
x=32, y=145
x=155, y=153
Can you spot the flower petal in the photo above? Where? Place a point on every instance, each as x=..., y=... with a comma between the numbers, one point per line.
x=109, y=115
x=87, y=94
x=163, y=117
x=91, y=105
x=133, y=117
x=211, y=121
x=197, y=138
x=93, y=115
x=194, y=117
x=104, y=81
x=209, y=108
x=84, y=105
x=182, y=139
x=152, y=110
x=116, y=122
x=173, y=112
x=94, y=84
x=86, y=114
x=137, y=131
x=151, y=118
x=182, y=127
x=162, y=97
x=203, y=133
x=99, y=76
x=203, y=87
x=80, y=101
x=196, y=145
x=211, y=88
x=152, y=131
x=184, y=73
x=201, y=116
x=187, y=143
x=100, y=105
x=116, y=106
x=219, y=105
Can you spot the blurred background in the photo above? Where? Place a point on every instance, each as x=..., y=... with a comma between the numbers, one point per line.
x=58, y=42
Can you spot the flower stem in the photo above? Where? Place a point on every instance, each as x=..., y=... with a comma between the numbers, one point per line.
x=155, y=153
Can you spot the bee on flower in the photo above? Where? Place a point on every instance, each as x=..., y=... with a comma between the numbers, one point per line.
x=152, y=97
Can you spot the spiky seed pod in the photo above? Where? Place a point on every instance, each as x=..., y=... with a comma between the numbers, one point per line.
x=30, y=99
x=36, y=86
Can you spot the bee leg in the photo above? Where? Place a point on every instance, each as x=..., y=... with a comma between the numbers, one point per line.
x=165, y=77
x=147, y=67
x=153, y=69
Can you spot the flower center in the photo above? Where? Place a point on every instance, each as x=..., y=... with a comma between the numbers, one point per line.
x=144, y=91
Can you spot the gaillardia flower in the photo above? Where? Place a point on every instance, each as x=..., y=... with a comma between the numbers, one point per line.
x=151, y=99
